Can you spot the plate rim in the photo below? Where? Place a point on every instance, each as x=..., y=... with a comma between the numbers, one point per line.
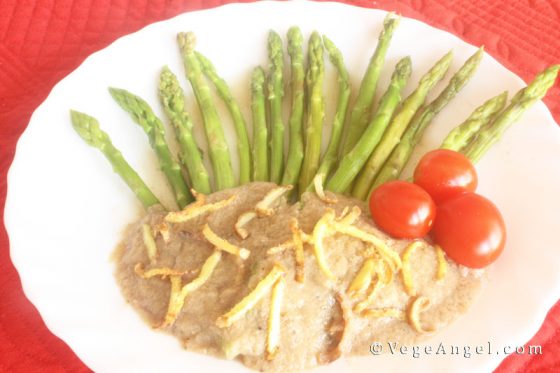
x=10, y=203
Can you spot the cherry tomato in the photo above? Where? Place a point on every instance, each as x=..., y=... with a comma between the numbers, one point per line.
x=445, y=173
x=470, y=229
x=402, y=209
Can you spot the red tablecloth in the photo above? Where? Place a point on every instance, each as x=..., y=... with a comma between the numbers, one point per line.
x=42, y=41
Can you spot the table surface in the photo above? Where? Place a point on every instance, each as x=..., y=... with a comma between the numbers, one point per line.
x=44, y=40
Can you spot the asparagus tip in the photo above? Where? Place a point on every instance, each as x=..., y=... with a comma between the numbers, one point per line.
x=391, y=20
x=187, y=41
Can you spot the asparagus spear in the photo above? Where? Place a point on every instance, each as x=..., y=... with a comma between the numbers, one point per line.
x=353, y=162
x=173, y=101
x=393, y=167
x=275, y=93
x=523, y=100
x=344, y=90
x=398, y=125
x=217, y=145
x=260, y=131
x=362, y=107
x=316, y=113
x=143, y=115
x=295, y=153
x=460, y=135
x=88, y=129
x=243, y=146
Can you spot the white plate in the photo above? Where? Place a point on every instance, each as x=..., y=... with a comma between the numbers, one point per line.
x=65, y=209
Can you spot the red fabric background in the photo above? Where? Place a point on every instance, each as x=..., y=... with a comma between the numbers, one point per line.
x=42, y=41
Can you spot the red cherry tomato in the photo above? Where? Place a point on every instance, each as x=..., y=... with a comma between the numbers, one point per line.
x=402, y=209
x=470, y=229
x=445, y=173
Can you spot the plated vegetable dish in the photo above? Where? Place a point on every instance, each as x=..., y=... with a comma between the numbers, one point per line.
x=306, y=255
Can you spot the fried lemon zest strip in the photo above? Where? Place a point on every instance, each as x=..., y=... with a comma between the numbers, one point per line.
x=175, y=302
x=149, y=242
x=263, y=206
x=418, y=305
x=385, y=312
x=385, y=272
x=372, y=292
x=362, y=279
x=250, y=300
x=382, y=248
x=162, y=271
x=163, y=229
x=242, y=220
x=384, y=276
x=442, y=263
x=274, y=318
x=344, y=341
x=223, y=244
x=320, y=232
x=349, y=217
x=298, y=250
x=406, y=271
x=178, y=294
x=196, y=209
x=318, y=185
x=280, y=248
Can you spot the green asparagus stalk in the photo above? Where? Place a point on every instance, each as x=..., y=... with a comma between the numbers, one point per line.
x=399, y=157
x=523, y=100
x=143, y=115
x=295, y=153
x=88, y=129
x=344, y=90
x=217, y=145
x=275, y=94
x=351, y=164
x=459, y=137
x=398, y=125
x=260, y=131
x=243, y=145
x=362, y=107
x=172, y=99
x=316, y=112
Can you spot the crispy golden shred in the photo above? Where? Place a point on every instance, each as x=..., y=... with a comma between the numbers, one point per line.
x=251, y=299
x=344, y=341
x=362, y=279
x=163, y=230
x=298, y=251
x=442, y=263
x=318, y=184
x=320, y=232
x=178, y=293
x=243, y=220
x=406, y=262
x=196, y=209
x=393, y=313
x=406, y=271
x=264, y=206
x=417, y=306
x=161, y=271
x=384, y=251
x=384, y=271
x=349, y=217
x=278, y=249
x=149, y=242
x=223, y=244
x=370, y=296
x=383, y=276
x=274, y=318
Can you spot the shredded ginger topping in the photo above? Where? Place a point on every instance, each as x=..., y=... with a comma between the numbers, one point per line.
x=247, y=303
x=196, y=209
